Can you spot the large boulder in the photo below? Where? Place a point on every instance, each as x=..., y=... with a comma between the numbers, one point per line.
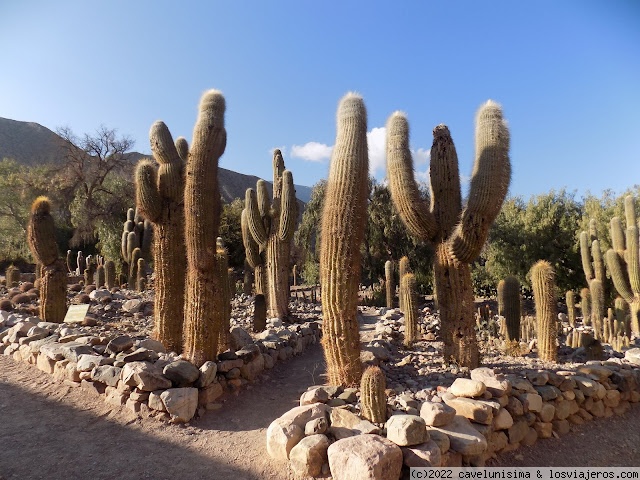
x=365, y=457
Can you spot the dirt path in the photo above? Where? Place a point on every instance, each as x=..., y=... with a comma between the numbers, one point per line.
x=49, y=430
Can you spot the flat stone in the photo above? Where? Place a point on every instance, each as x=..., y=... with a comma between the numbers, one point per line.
x=133, y=305
x=73, y=350
x=141, y=355
x=471, y=409
x=365, y=457
x=144, y=376
x=151, y=344
x=207, y=374
x=496, y=384
x=548, y=392
x=120, y=344
x=532, y=402
x=181, y=403
x=602, y=373
x=86, y=363
x=345, y=424
x=437, y=414
x=106, y=374
x=463, y=437
x=314, y=395
x=287, y=430
x=52, y=350
x=586, y=385
x=427, y=454
x=520, y=383
x=407, y=430
x=181, y=373
x=441, y=439
x=308, y=456
x=225, y=366
x=465, y=387
x=538, y=378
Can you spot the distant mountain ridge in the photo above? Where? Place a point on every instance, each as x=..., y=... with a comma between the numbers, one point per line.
x=30, y=143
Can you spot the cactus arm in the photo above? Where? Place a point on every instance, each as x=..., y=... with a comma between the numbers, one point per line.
x=251, y=249
x=278, y=171
x=288, y=208
x=404, y=191
x=633, y=262
x=489, y=184
x=617, y=236
x=446, y=199
x=170, y=183
x=585, y=255
x=254, y=220
x=618, y=276
x=598, y=261
x=630, y=211
x=147, y=197
x=182, y=147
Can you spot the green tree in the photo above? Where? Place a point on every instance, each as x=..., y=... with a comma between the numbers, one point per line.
x=231, y=232
x=307, y=237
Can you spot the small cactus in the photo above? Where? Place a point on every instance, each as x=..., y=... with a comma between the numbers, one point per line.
x=411, y=309
x=12, y=276
x=543, y=282
x=585, y=305
x=389, y=283
x=100, y=276
x=403, y=269
x=509, y=306
x=109, y=274
x=571, y=308
x=141, y=277
x=597, y=307
x=373, y=400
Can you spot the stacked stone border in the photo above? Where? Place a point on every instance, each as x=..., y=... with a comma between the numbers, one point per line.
x=139, y=374
x=466, y=424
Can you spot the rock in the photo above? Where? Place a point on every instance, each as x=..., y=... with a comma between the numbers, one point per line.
x=441, y=439
x=315, y=426
x=119, y=344
x=106, y=374
x=155, y=402
x=633, y=356
x=345, y=424
x=497, y=385
x=181, y=373
x=151, y=344
x=209, y=394
x=586, y=385
x=133, y=306
x=308, y=456
x=181, y=403
x=464, y=387
x=144, y=376
x=45, y=364
x=532, y=402
x=52, y=350
x=407, y=430
x=437, y=414
x=226, y=366
x=314, y=395
x=427, y=454
x=252, y=368
x=543, y=429
x=286, y=431
x=518, y=431
x=463, y=437
x=602, y=373
x=140, y=355
x=471, y=409
x=207, y=374
x=548, y=392
x=538, y=378
x=365, y=457
x=547, y=413
x=502, y=420
x=379, y=352
x=239, y=338
x=86, y=363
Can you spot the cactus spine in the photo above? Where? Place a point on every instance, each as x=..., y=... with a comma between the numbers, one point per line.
x=41, y=239
x=373, y=400
x=109, y=274
x=411, y=309
x=272, y=224
x=389, y=283
x=259, y=314
x=571, y=308
x=159, y=198
x=509, y=306
x=205, y=307
x=458, y=234
x=345, y=198
x=623, y=261
x=543, y=282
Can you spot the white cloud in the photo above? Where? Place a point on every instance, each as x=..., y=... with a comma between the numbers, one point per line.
x=312, y=151
x=421, y=156
x=376, y=139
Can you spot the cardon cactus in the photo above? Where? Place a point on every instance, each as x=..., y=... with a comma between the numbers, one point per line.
x=345, y=198
x=592, y=259
x=409, y=301
x=585, y=305
x=141, y=274
x=223, y=272
x=597, y=307
x=53, y=282
x=205, y=308
x=623, y=261
x=403, y=269
x=458, y=233
x=272, y=223
x=254, y=256
x=571, y=308
x=543, y=283
x=247, y=281
x=12, y=275
x=136, y=233
x=109, y=274
x=373, y=400
x=259, y=314
x=621, y=309
x=136, y=255
x=389, y=283
x=81, y=265
x=160, y=200
x=509, y=306
x=70, y=261
x=100, y=274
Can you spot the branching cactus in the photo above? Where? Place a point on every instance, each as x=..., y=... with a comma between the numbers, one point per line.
x=109, y=274
x=409, y=301
x=623, y=261
x=160, y=200
x=344, y=217
x=509, y=306
x=53, y=282
x=389, y=283
x=458, y=233
x=254, y=255
x=137, y=233
x=571, y=308
x=205, y=307
x=592, y=260
x=403, y=269
x=543, y=283
x=272, y=224
x=373, y=400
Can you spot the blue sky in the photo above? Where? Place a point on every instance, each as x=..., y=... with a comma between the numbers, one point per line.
x=567, y=74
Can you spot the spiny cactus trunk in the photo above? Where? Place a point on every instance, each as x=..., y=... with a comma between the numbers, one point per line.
x=455, y=289
x=408, y=295
x=100, y=276
x=509, y=306
x=109, y=274
x=53, y=292
x=571, y=308
x=390, y=287
x=543, y=283
x=277, y=275
x=372, y=395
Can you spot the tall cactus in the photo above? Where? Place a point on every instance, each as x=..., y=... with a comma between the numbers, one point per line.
x=623, y=261
x=509, y=305
x=389, y=283
x=160, y=200
x=109, y=274
x=343, y=222
x=204, y=303
x=597, y=307
x=373, y=399
x=409, y=302
x=457, y=233
x=585, y=305
x=543, y=283
x=254, y=255
x=403, y=269
x=222, y=266
x=53, y=282
x=571, y=308
x=100, y=274
x=272, y=223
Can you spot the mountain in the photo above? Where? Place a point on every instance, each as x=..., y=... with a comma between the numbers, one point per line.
x=32, y=144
